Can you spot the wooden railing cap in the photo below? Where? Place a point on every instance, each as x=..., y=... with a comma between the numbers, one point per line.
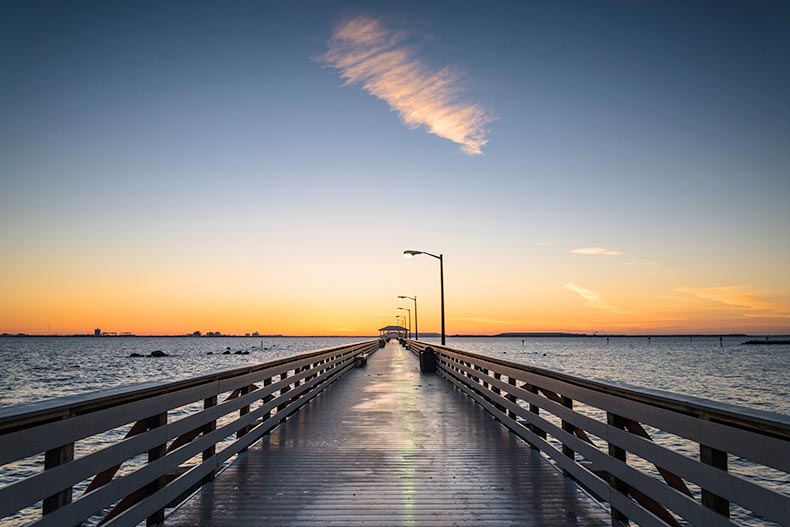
x=761, y=421
x=22, y=415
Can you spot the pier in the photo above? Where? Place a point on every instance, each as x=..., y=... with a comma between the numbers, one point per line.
x=406, y=433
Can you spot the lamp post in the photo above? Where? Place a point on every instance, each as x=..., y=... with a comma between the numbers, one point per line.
x=410, y=254
x=416, y=326
x=409, y=310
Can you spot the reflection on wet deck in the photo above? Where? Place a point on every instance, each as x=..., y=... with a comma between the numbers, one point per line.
x=390, y=446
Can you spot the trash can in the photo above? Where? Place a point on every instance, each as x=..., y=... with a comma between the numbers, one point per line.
x=428, y=360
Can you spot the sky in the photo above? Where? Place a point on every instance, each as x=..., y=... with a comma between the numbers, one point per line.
x=618, y=167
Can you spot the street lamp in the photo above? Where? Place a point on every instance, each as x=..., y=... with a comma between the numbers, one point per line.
x=410, y=254
x=416, y=326
x=409, y=310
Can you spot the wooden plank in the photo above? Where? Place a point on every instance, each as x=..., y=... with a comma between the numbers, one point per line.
x=150, y=505
x=33, y=489
x=233, y=383
x=31, y=441
x=373, y=450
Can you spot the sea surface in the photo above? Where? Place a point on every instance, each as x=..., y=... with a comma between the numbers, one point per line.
x=39, y=368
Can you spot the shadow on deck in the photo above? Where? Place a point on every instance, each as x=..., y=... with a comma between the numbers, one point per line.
x=390, y=446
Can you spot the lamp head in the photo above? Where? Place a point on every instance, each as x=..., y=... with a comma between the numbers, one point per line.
x=411, y=254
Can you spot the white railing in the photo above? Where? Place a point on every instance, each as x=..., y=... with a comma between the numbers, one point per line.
x=657, y=458
x=150, y=445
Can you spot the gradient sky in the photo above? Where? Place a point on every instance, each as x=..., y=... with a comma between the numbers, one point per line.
x=240, y=166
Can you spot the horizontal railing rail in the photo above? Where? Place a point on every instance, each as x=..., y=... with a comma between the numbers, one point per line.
x=132, y=452
x=657, y=458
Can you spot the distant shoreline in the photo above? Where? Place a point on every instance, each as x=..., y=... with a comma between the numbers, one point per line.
x=424, y=335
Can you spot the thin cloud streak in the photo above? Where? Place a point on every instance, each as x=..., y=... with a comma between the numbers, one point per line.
x=485, y=320
x=368, y=53
x=597, y=251
x=592, y=297
x=739, y=298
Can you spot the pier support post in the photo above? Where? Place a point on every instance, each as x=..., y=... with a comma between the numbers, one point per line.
x=617, y=453
x=512, y=398
x=244, y=410
x=207, y=429
x=535, y=409
x=266, y=399
x=283, y=390
x=53, y=458
x=567, y=402
x=158, y=517
x=715, y=458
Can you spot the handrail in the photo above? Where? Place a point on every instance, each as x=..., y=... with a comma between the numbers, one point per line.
x=606, y=448
x=187, y=428
x=57, y=408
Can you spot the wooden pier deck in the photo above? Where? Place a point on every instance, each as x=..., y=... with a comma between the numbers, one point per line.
x=387, y=446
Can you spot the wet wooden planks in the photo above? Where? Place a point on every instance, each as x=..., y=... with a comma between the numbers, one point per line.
x=388, y=446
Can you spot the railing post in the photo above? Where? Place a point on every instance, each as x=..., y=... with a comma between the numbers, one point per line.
x=715, y=458
x=267, y=398
x=535, y=409
x=283, y=390
x=244, y=410
x=617, y=453
x=53, y=458
x=155, y=453
x=497, y=376
x=567, y=402
x=207, y=429
x=512, y=398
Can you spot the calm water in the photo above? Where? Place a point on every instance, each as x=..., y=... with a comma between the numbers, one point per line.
x=755, y=376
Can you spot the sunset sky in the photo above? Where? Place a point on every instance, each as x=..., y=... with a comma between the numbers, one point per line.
x=242, y=166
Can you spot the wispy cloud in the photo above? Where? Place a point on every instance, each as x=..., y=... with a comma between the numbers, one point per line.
x=369, y=53
x=484, y=320
x=597, y=251
x=592, y=297
x=636, y=262
x=739, y=298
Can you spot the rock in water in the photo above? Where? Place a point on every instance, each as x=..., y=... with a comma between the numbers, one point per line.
x=158, y=353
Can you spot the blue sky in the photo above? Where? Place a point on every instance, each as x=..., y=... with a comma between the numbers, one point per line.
x=140, y=132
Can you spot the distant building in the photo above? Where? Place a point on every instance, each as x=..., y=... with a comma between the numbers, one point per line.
x=256, y=334
x=246, y=334
x=196, y=334
x=97, y=332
